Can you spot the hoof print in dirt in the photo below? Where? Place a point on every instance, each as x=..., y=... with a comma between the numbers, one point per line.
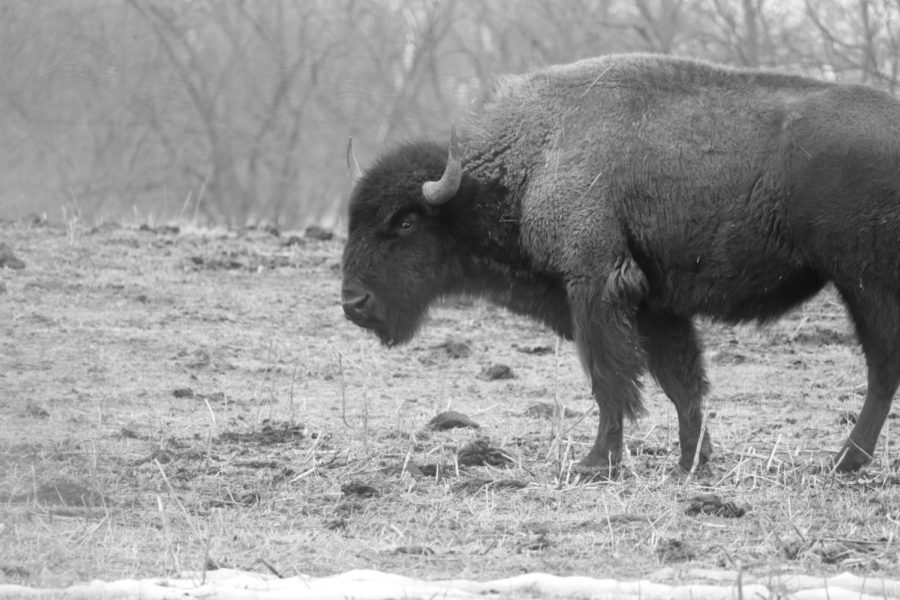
x=727, y=356
x=535, y=544
x=14, y=572
x=835, y=552
x=536, y=350
x=399, y=469
x=231, y=500
x=495, y=372
x=222, y=263
x=258, y=465
x=318, y=233
x=36, y=412
x=160, y=455
x=269, y=434
x=480, y=453
x=105, y=227
x=414, y=550
x=266, y=228
x=197, y=359
x=473, y=486
x=414, y=470
x=670, y=550
x=451, y=349
x=174, y=452
x=359, y=489
x=202, y=358
x=129, y=434
x=451, y=419
x=293, y=240
x=435, y=471
x=338, y=524
x=547, y=410
x=508, y=484
x=792, y=547
x=189, y=393
x=161, y=230
x=824, y=336
x=8, y=260
x=63, y=493
x=711, y=504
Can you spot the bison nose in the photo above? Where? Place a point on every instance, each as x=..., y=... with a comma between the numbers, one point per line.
x=356, y=305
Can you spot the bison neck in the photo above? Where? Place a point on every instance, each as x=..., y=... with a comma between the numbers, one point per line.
x=522, y=291
x=485, y=218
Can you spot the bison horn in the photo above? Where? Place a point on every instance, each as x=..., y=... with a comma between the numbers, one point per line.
x=441, y=191
x=352, y=163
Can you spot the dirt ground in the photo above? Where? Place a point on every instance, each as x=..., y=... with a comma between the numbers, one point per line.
x=190, y=399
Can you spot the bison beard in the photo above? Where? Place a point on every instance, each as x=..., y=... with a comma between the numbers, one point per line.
x=616, y=198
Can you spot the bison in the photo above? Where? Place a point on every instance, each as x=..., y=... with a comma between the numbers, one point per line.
x=616, y=198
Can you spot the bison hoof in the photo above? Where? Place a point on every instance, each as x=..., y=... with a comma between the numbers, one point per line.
x=687, y=457
x=851, y=458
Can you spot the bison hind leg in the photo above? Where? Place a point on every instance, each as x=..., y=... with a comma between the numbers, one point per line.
x=675, y=360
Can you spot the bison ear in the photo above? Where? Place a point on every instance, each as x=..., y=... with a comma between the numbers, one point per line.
x=441, y=191
x=352, y=163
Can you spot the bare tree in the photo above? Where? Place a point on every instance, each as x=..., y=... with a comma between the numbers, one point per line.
x=860, y=44
x=238, y=110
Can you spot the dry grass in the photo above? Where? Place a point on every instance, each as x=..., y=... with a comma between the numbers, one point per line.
x=301, y=445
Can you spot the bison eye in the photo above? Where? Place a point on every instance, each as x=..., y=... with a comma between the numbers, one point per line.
x=407, y=223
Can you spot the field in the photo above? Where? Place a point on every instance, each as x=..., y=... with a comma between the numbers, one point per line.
x=189, y=399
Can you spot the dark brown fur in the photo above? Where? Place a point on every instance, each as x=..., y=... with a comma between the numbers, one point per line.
x=616, y=198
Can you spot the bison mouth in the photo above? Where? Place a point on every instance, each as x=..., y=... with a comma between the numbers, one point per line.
x=390, y=335
x=387, y=335
x=379, y=328
x=394, y=322
x=390, y=331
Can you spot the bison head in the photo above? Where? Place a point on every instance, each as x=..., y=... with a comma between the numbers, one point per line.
x=401, y=249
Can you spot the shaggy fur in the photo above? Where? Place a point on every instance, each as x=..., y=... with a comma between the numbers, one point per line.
x=616, y=198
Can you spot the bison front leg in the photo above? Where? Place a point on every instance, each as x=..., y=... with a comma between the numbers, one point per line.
x=877, y=320
x=859, y=449
x=605, y=331
x=675, y=360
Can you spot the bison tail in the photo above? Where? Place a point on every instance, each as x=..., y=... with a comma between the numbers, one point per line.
x=627, y=285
